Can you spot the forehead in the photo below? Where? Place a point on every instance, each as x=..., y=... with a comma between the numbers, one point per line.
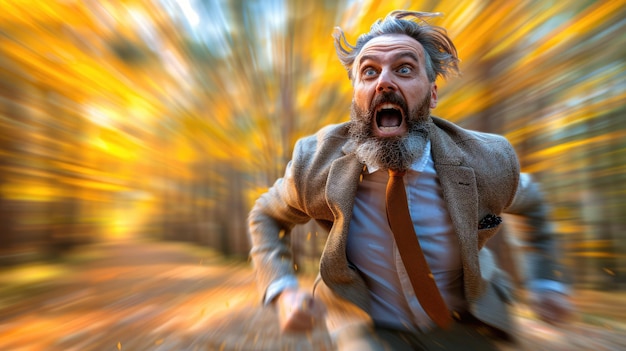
x=390, y=44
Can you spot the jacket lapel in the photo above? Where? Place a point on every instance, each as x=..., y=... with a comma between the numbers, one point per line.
x=343, y=180
x=460, y=193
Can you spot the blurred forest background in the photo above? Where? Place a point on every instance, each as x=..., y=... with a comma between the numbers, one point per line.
x=165, y=119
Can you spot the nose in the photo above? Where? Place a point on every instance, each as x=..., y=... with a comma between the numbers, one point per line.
x=385, y=83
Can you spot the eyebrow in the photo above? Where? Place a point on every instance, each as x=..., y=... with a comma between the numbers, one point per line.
x=396, y=57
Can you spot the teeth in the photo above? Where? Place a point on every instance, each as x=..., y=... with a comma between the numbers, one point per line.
x=388, y=129
x=387, y=106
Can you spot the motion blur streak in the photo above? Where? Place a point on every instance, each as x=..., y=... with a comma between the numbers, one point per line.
x=163, y=120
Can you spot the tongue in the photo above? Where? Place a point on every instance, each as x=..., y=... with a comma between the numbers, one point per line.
x=389, y=119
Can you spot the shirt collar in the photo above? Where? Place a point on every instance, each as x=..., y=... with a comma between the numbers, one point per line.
x=417, y=166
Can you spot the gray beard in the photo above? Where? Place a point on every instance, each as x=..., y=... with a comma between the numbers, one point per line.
x=397, y=153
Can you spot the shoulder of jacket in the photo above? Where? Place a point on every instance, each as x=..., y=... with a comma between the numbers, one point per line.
x=491, y=156
x=460, y=135
x=314, y=155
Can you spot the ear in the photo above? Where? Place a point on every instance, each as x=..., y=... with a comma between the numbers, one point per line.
x=433, y=95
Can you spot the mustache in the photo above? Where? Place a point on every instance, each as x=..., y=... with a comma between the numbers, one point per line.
x=389, y=97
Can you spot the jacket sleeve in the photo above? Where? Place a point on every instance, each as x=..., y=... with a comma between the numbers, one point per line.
x=541, y=251
x=270, y=222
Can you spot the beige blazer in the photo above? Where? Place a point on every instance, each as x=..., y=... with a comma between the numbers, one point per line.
x=479, y=175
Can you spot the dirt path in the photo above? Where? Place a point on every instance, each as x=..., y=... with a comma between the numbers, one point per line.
x=173, y=296
x=138, y=296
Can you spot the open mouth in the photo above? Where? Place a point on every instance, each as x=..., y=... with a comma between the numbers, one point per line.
x=389, y=118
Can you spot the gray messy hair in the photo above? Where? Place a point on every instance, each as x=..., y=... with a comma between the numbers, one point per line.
x=440, y=52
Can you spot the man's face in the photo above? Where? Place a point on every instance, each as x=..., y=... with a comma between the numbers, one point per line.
x=390, y=82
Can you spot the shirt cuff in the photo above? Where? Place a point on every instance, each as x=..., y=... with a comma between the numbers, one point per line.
x=540, y=285
x=277, y=286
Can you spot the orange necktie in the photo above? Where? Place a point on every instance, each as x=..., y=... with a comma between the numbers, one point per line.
x=411, y=252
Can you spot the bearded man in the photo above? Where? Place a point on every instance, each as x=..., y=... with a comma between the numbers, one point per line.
x=430, y=284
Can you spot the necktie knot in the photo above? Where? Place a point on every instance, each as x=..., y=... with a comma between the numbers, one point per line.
x=396, y=173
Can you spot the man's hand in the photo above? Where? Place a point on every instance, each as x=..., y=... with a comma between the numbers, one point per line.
x=552, y=307
x=298, y=311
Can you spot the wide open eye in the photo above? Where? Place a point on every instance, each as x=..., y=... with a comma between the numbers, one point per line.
x=369, y=72
x=405, y=70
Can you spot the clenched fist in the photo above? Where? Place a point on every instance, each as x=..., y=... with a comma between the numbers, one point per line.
x=299, y=311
